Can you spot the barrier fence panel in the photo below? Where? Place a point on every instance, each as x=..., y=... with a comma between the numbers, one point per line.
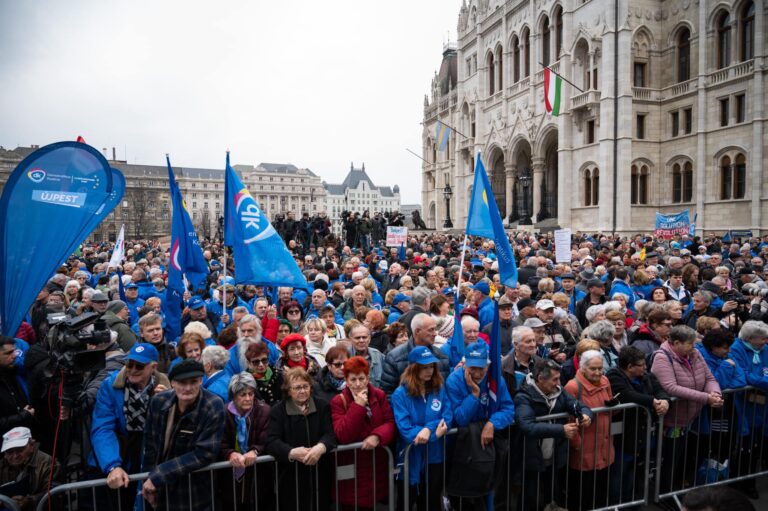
x=8, y=503
x=722, y=445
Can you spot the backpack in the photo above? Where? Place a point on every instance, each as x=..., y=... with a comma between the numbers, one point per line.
x=474, y=470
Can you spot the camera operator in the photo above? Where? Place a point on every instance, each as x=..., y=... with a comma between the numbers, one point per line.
x=15, y=408
x=734, y=309
x=364, y=230
x=350, y=222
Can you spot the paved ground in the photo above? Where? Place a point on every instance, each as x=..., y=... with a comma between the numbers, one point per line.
x=760, y=505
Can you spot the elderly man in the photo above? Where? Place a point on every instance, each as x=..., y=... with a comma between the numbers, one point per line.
x=360, y=337
x=133, y=302
x=195, y=418
x=214, y=360
x=520, y=361
x=483, y=302
x=401, y=304
x=249, y=331
x=506, y=324
x=420, y=298
x=117, y=428
x=424, y=330
x=197, y=311
x=318, y=300
x=24, y=468
x=99, y=302
x=116, y=318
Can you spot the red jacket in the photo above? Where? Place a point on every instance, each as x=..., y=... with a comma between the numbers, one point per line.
x=269, y=328
x=352, y=424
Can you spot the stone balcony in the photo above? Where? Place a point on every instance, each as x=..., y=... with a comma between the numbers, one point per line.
x=585, y=100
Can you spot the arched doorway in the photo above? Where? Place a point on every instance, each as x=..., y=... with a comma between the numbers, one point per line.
x=431, y=216
x=498, y=180
x=549, y=183
x=522, y=193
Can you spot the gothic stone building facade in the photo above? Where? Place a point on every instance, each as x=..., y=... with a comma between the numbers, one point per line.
x=684, y=80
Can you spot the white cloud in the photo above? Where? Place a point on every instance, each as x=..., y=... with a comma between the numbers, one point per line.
x=317, y=84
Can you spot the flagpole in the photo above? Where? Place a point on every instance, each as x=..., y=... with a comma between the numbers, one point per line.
x=224, y=286
x=566, y=80
x=461, y=265
x=417, y=156
x=452, y=128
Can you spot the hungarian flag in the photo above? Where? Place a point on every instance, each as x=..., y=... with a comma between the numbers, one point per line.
x=553, y=85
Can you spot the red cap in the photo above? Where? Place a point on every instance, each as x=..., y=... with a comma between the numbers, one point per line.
x=290, y=339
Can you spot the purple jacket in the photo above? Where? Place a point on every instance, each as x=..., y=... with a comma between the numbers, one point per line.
x=689, y=382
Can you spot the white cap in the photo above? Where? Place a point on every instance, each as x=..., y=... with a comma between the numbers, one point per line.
x=17, y=437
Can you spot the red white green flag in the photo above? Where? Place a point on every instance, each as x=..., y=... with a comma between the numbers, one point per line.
x=553, y=84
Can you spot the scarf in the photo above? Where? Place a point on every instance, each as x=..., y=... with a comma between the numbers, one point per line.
x=265, y=376
x=291, y=363
x=241, y=435
x=755, y=354
x=135, y=406
x=337, y=384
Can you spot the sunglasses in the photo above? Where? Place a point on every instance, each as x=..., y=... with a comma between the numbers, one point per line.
x=135, y=365
x=259, y=361
x=294, y=311
x=337, y=364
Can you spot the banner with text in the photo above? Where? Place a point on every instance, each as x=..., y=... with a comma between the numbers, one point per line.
x=397, y=236
x=668, y=226
x=563, y=245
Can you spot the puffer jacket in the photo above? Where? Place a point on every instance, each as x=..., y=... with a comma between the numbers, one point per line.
x=645, y=340
x=592, y=448
x=689, y=380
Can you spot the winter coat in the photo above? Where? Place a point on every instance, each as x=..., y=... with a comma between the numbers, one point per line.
x=313, y=368
x=301, y=486
x=352, y=423
x=13, y=398
x=529, y=404
x=108, y=433
x=513, y=373
x=641, y=392
x=113, y=361
x=645, y=340
x=756, y=375
x=592, y=447
x=690, y=382
x=486, y=311
x=36, y=471
x=257, y=421
x=505, y=330
x=218, y=384
x=412, y=414
x=195, y=441
x=125, y=336
x=347, y=310
x=397, y=360
x=467, y=408
x=619, y=286
x=323, y=388
x=729, y=375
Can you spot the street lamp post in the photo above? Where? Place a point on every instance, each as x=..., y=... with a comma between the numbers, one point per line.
x=447, y=193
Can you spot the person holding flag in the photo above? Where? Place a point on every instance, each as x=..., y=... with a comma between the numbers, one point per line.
x=186, y=260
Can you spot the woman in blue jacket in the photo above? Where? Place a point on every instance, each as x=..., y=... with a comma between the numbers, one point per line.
x=423, y=415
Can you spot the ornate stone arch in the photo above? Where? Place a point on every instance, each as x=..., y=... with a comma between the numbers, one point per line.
x=715, y=12
x=672, y=37
x=642, y=41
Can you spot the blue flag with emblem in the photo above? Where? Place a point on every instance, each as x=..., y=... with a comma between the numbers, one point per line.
x=48, y=205
x=186, y=259
x=261, y=257
x=484, y=220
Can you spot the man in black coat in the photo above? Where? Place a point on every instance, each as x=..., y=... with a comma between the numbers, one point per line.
x=15, y=409
x=595, y=296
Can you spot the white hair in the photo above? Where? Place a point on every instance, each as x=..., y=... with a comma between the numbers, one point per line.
x=217, y=356
x=198, y=327
x=613, y=306
x=469, y=321
x=589, y=355
x=593, y=311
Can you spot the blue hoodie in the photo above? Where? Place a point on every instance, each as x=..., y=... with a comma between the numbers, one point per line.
x=468, y=408
x=619, y=286
x=728, y=376
x=756, y=375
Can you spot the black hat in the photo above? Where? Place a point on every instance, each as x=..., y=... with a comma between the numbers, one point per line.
x=595, y=283
x=525, y=302
x=98, y=296
x=567, y=276
x=186, y=369
x=711, y=287
x=746, y=271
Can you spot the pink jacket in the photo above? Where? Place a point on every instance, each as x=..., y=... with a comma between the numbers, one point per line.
x=689, y=382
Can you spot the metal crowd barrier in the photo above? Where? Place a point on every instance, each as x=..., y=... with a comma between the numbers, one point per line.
x=726, y=446
x=8, y=503
x=94, y=495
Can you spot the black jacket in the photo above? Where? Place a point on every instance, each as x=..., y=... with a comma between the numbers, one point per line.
x=408, y=317
x=13, y=399
x=323, y=389
x=301, y=487
x=581, y=309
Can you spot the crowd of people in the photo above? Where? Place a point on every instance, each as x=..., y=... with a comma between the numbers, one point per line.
x=363, y=354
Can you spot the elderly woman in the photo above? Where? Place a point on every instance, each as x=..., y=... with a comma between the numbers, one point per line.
x=330, y=380
x=268, y=381
x=199, y=328
x=361, y=413
x=300, y=432
x=592, y=451
x=318, y=343
x=603, y=332
x=293, y=313
x=397, y=334
x=376, y=322
x=423, y=416
x=618, y=320
x=684, y=374
x=214, y=360
x=295, y=354
x=595, y=313
x=245, y=435
x=675, y=311
x=191, y=345
x=631, y=383
x=71, y=290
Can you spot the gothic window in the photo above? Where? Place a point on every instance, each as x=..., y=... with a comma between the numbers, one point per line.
x=726, y=178
x=545, y=37
x=748, y=31
x=683, y=55
x=740, y=177
x=687, y=182
x=499, y=63
x=491, y=74
x=591, y=186
x=587, y=187
x=723, y=40
x=515, y=59
x=639, y=184
x=558, y=32
x=527, y=53
x=595, y=186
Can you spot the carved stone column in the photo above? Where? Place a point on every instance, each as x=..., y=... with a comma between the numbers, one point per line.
x=538, y=178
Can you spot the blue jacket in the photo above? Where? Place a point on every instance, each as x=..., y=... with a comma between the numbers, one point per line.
x=133, y=309
x=147, y=290
x=218, y=384
x=467, y=408
x=108, y=421
x=485, y=311
x=312, y=312
x=619, y=286
x=728, y=377
x=756, y=375
x=394, y=315
x=575, y=297
x=412, y=414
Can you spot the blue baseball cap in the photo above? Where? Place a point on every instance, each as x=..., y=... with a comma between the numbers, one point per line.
x=215, y=263
x=143, y=353
x=476, y=355
x=130, y=285
x=195, y=302
x=483, y=287
x=400, y=298
x=422, y=356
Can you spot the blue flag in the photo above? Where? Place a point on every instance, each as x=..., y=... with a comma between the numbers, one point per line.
x=484, y=220
x=494, y=370
x=442, y=132
x=48, y=202
x=455, y=349
x=261, y=257
x=401, y=252
x=186, y=259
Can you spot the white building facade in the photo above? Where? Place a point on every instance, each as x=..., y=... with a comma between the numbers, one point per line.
x=357, y=193
x=683, y=79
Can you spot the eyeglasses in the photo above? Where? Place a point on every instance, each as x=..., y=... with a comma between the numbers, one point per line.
x=259, y=361
x=337, y=364
x=294, y=311
x=300, y=388
x=131, y=364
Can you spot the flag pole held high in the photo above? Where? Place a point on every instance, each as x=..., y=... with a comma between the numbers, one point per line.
x=261, y=257
x=484, y=220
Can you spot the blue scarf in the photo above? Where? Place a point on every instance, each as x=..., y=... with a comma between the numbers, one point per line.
x=755, y=354
x=241, y=436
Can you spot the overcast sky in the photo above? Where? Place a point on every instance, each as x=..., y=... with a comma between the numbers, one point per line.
x=316, y=84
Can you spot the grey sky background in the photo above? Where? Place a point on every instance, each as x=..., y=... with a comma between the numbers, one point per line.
x=316, y=84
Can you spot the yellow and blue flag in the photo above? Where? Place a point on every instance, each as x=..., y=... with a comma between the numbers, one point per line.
x=442, y=132
x=484, y=220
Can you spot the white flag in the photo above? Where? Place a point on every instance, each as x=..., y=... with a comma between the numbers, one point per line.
x=119, y=252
